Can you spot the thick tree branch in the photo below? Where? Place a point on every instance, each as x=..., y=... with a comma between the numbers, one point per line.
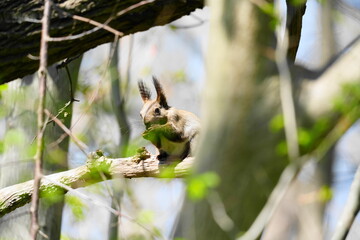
x=318, y=102
x=15, y=196
x=20, y=28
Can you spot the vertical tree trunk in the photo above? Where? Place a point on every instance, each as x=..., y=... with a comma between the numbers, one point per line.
x=240, y=101
x=118, y=103
x=56, y=154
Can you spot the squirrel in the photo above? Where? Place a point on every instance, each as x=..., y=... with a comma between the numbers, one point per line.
x=174, y=132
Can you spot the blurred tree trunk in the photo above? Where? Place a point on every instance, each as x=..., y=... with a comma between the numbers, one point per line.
x=56, y=151
x=240, y=101
x=21, y=102
x=118, y=103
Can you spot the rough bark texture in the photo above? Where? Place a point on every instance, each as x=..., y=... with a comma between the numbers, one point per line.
x=15, y=196
x=20, y=28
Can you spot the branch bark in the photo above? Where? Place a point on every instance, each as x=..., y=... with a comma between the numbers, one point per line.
x=20, y=28
x=39, y=156
x=15, y=196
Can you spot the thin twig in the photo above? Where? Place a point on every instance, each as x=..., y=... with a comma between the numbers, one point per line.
x=82, y=146
x=41, y=121
x=97, y=25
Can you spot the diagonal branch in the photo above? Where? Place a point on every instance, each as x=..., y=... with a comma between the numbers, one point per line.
x=15, y=196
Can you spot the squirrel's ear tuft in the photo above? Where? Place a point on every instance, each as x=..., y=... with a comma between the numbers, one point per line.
x=160, y=94
x=144, y=91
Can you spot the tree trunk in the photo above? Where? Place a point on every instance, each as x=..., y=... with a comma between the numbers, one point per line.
x=240, y=101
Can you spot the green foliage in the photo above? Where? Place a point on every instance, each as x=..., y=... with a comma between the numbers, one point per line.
x=179, y=76
x=167, y=172
x=31, y=149
x=277, y=123
x=3, y=87
x=65, y=237
x=146, y=217
x=297, y=2
x=281, y=148
x=97, y=166
x=77, y=207
x=348, y=103
x=52, y=195
x=269, y=9
x=325, y=193
x=13, y=137
x=1, y=147
x=134, y=145
x=199, y=185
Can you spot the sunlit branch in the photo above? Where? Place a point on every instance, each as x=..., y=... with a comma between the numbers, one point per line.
x=15, y=196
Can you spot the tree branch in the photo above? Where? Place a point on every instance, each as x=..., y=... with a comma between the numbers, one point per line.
x=351, y=209
x=39, y=156
x=15, y=196
x=318, y=102
x=20, y=29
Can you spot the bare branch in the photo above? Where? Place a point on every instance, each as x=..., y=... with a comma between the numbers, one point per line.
x=351, y=209
x=318, y=102
x=40, y=121
x=77, y=141
x=15, y=196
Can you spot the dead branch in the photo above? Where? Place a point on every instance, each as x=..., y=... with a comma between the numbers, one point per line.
x=15, y=196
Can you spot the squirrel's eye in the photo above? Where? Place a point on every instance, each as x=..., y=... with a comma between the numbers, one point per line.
x=157, y=111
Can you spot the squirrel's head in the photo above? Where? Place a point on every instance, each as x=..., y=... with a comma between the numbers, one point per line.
x=154, y=111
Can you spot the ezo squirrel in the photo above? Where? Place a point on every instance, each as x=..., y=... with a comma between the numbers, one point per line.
x=174, y=132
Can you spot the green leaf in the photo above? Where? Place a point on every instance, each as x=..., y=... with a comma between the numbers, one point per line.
x=198, y=186
x=14, y=137
x=167, y=172
x=146, y=217
x=281, y=148
x=325, y=194
x=3, y=87
x=1, y=147
x=277, y=123
x=304, y=137
x=77, y=206
x=297, y=2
